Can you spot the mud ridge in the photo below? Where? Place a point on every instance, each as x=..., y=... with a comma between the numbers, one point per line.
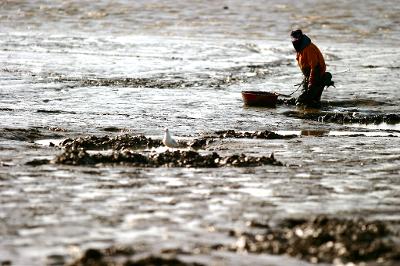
x=346, y=118
x=127, y=141
x=123, y=257
x=324, y=239
x=136, y=82
x=203, y=142
x=30, y=134
x=54, y=112
x=266, y=134
x=74, y=156
x=151, y=83
x=234, y=75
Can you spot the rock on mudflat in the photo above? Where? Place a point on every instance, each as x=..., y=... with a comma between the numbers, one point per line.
x=252, y=135
x=122, y=146
x=325, y=239
x=127, y=141
x=107, y=142
x=165, y=159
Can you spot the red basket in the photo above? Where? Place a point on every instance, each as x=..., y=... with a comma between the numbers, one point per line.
x=259, y=98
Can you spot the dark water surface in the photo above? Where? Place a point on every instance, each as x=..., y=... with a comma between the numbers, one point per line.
x=73, y=68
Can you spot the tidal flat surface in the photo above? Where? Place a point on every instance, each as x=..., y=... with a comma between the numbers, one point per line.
x=70, y=69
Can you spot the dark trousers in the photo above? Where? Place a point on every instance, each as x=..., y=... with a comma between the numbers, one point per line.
x=311, y=95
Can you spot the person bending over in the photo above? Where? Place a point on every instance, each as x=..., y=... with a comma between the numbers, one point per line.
x=312, y=64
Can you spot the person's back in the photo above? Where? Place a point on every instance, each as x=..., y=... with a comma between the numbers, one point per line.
x=311, y=62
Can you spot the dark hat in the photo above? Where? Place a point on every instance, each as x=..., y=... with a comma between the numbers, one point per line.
x=296, y=34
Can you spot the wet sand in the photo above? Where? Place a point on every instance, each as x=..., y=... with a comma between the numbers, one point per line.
x=87, y=89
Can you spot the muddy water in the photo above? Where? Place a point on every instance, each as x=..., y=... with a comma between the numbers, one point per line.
x=74, y=68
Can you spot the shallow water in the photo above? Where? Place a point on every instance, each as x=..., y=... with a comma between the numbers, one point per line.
x=71, y=68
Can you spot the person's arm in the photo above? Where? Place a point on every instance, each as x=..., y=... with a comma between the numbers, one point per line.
x=303, y=60
x=316, y=63
x=313, y=68
x=303, y=64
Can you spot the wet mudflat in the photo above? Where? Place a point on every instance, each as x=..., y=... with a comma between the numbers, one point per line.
x=318, y=240
x=87, y=89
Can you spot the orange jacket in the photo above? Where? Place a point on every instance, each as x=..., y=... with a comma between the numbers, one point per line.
x=311, y=63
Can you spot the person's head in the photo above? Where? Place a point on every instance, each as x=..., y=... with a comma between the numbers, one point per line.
x=296, y=35
x=299, y=40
